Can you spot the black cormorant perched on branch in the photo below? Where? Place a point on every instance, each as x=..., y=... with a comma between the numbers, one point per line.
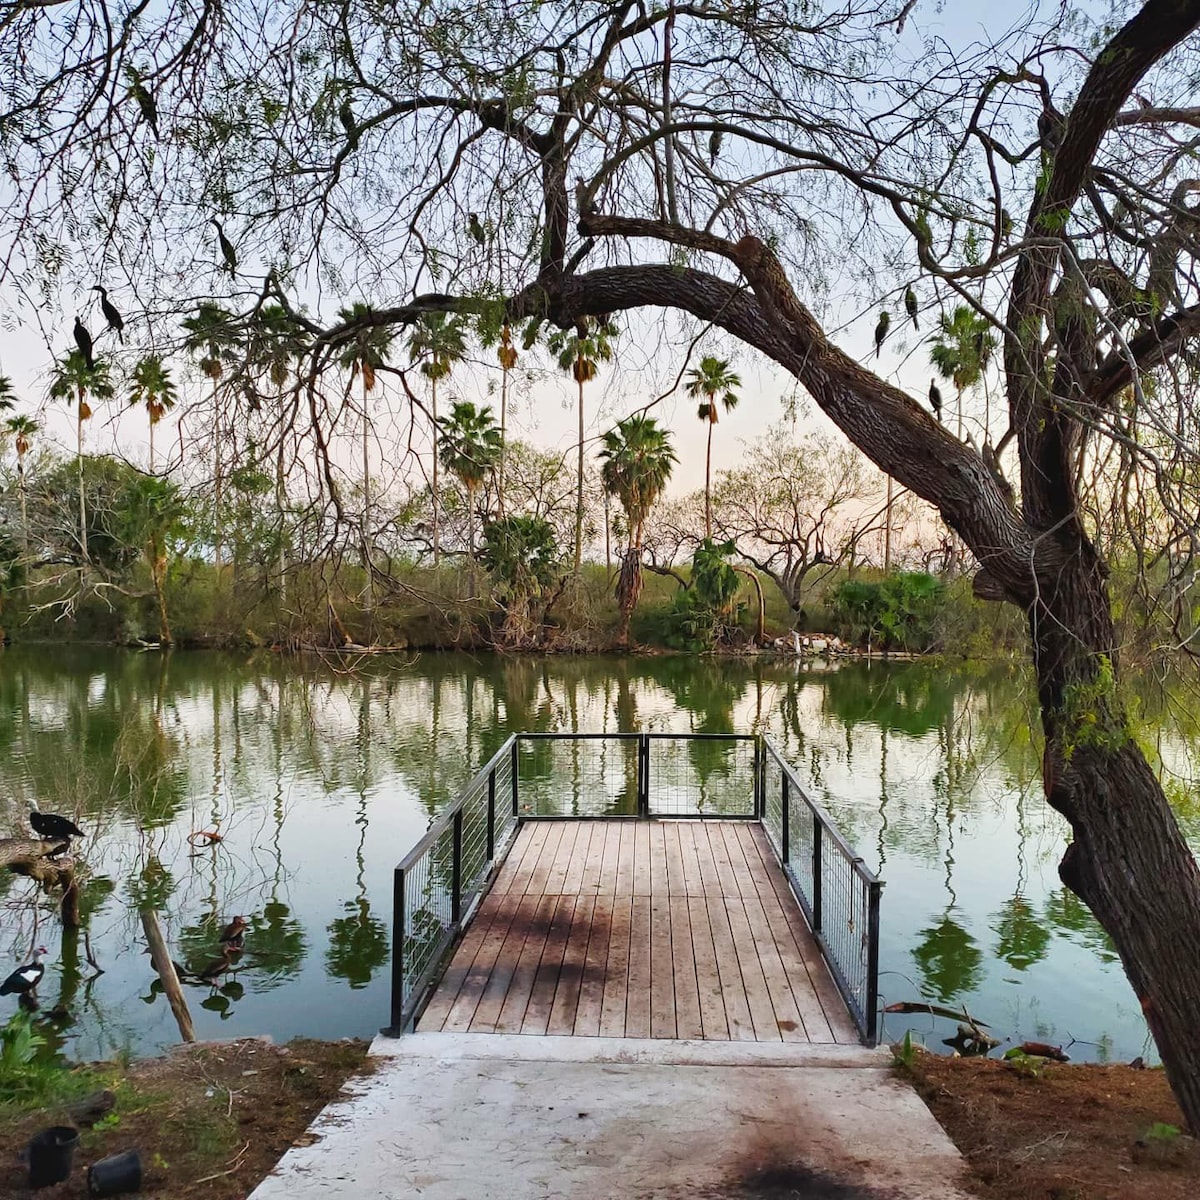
x=83, y=340
x=115, y=321
x=228, y=253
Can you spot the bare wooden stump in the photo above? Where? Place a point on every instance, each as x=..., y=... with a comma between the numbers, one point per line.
x=166, y=972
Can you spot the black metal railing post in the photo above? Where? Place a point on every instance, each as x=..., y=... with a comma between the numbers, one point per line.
x=785, y=821
x=871, y=999
x=397, y=954
x=456, y=867
x=491, y=815
x=643, y=799
x=758, y=778
x=817, y=872
x=516, y=779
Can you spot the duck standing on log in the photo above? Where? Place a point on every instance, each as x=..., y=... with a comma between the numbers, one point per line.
x=52, y=827
x=24, y=980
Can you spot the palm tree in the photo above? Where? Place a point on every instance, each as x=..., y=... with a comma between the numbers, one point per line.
x=153, y=387
x=581, y=353
x=439, y=339
x=73, y=380
x=152, y=512
x=213, y=333
x=8, y=394
x=22, y=428
x=637, y=464
x=275, y=342
x=362, y=357
x=714, y=380
x=469, y=447
x=962, y=348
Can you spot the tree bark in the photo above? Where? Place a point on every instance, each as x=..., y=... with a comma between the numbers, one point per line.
x=30, y=857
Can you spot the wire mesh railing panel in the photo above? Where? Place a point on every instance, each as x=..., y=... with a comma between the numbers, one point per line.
x=772, y=803
x=839, y=895
x=505, y=818
x=700, y=775
x=570, y=775
x=442, y=875
x=428, y=920
x=802, y=835
x=845, y=926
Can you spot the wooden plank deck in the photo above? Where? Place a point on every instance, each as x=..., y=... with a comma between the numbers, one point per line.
x=664, y=929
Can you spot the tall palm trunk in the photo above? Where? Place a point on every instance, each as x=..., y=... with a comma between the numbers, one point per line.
x=24, y=513
x=280, y=501
x=218, y=484
x=503, y=440
x=607, y=535
x=712, y=420
x=470, y=540
x=369, y=594
x=579, y=476
x=83, y=546
x=158, y=573
x=887, y=529
x=152, y=423
x=437, y=546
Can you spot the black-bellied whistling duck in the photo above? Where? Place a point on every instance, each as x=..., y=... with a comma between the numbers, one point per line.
x=234, y=931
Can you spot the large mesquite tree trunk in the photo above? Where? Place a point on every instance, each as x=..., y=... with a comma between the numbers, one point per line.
x=1128, y=860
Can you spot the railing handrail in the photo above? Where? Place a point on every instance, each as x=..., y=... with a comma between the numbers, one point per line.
x=856, y=860
x=446, y=816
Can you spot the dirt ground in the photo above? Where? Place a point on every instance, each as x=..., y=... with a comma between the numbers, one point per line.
x=1062, y=1131
x=208, y=1121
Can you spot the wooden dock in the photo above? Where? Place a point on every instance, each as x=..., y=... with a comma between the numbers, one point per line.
x=682, y=929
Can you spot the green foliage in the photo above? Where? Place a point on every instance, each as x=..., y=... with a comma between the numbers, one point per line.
x=898, y=612
x=714, y=580
x=469, y=444
x=29, y=1079
x=703, y=615
x=1161, y=1131
x=1092, y=714
x=521, y=554
x=905, y=1054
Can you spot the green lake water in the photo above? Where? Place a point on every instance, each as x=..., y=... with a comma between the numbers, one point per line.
x=320, y=777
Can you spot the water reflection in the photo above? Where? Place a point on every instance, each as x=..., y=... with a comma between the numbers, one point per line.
x=315, y=779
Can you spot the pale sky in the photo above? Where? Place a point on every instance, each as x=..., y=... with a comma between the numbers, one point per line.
x=544, y=415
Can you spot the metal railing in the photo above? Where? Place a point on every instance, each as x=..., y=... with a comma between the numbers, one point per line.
x=439, y=881
x=565, y=776
x=588, y=775
x=837, y=891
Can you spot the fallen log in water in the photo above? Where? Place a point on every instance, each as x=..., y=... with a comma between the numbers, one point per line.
x=32, y=857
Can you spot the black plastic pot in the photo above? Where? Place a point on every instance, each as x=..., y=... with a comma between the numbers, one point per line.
x=116, y=1175
x=51, y=1153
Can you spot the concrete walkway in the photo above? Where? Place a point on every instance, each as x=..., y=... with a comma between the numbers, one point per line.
x=462, y=1116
